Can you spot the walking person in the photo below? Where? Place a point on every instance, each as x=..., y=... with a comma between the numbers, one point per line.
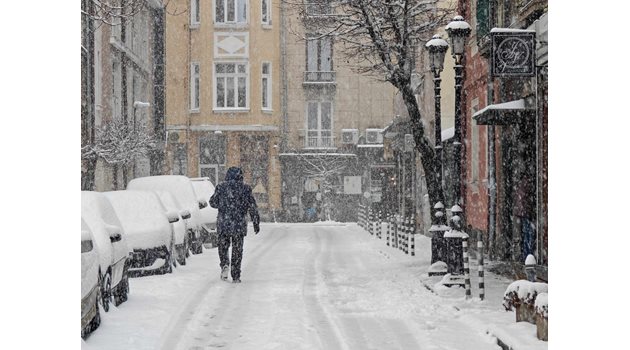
x=233, y=198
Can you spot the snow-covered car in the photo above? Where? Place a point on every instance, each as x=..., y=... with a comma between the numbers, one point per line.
x=111, y=247
x=182, y=189
x=90, y=315
x=179, y=226
x=147, y=226
x=204, y=189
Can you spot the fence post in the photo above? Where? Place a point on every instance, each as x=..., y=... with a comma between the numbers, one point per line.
x=406, y=225
x=482, y=287
x=379, y=228
x=399, y=233
x=388, y=228
x=412, y=227
x=466, y=268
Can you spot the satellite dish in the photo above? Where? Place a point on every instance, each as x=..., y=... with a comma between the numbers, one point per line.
x=367, y=194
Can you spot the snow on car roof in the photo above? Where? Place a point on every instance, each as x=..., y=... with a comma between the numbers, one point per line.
x=143, y=217
x=178, y=185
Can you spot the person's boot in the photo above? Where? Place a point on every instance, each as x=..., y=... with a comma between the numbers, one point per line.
x=224, y=272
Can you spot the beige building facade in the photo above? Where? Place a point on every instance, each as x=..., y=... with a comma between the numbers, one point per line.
x=223, y=105
x=333, y=121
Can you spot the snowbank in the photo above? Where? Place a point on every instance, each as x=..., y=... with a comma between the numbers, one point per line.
x=541, y=304
x=522, y=292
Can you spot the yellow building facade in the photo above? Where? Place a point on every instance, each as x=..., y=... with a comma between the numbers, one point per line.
x=223, y=92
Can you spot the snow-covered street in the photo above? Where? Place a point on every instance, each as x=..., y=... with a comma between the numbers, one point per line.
x=305, y=286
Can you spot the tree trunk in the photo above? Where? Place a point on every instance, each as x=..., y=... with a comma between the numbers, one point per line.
x=426, y=151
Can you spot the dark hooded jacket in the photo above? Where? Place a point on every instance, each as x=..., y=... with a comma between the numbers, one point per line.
x=234, y=200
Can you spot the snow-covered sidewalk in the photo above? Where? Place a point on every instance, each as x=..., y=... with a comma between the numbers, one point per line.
x=306, y=286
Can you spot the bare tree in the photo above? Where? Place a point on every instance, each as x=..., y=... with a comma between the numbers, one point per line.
x=381, y=37
x=115, y=12
x=119, y=144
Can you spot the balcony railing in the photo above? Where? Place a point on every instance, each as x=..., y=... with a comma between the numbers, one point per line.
x=319, y=142
x=320, y=77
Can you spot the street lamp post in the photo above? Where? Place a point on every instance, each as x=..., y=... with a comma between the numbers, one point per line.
x=458, y=31
x=437, y=48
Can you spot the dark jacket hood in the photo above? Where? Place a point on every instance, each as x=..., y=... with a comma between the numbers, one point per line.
x=234, y=174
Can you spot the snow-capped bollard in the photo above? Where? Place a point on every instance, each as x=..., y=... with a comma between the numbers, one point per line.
x=466, y=267
x=482, y=287
x=530, y=268
x=454, y=246
x=438, y=244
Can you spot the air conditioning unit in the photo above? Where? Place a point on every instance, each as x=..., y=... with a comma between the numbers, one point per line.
x=373, y=136
x=349, y=136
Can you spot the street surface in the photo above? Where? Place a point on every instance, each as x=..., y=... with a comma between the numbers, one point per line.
x=305, y=286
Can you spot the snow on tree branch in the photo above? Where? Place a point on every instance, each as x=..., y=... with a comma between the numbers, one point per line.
x=117, y=142
x=381, y=36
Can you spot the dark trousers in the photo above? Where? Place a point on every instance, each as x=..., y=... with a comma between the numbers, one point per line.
x=237, y=253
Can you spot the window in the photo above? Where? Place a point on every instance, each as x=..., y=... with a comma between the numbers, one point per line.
x=230, y=11
x=319, y=124
x=266, y=86
x=180, y=159
x=194, y=86
x=231, y=85
x=265, y=12
x=194, y=13
x=212, y=150
x=319, y=55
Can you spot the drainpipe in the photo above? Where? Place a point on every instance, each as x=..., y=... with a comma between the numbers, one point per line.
x=283, y=70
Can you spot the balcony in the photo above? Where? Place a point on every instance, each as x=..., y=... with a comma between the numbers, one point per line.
x=319, y=142
x=320, y=77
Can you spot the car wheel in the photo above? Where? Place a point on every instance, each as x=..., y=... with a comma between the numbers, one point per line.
x=122, y=290
x=168, y=264
x=173, y=254
x=96, y=320
x=106, y=291
x=181, y=256
x=197, y=247
x=187, y=246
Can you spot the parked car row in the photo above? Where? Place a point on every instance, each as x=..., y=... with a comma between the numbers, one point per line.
x=147, y=229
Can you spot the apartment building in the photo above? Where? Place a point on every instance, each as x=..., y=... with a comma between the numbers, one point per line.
x=122, y=60
x=333, y=145
x=223, y=103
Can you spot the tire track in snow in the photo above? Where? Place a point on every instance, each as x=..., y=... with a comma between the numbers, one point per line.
x=327, y=331
x=197, y=302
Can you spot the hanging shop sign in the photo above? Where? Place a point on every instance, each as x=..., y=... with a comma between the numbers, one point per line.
x=513, y=52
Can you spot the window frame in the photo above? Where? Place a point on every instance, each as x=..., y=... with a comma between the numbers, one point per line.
x=235, y=75
x=234, y=23
x=268, y=84
x=195, y=13
x=194, y=88
x=318, y=58
x=319, y=124
x=268, y=22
